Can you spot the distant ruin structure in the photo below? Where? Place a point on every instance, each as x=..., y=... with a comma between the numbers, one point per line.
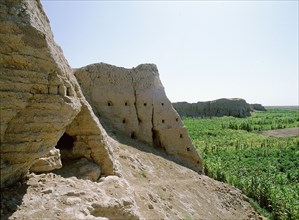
x=221, y=107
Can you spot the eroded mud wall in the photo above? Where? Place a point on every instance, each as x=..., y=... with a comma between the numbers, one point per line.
x=134, y=102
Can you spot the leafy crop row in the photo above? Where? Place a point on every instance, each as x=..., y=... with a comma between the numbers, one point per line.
x=264, y=168
x=272, y=119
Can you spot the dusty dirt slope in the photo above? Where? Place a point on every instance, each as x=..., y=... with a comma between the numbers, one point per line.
x=286, y=132
x=149, y=187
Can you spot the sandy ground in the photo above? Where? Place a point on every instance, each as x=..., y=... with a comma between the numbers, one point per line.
x=286, y=132
x=150, y=186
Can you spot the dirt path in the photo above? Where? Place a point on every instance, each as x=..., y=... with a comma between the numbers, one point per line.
x=286, y=132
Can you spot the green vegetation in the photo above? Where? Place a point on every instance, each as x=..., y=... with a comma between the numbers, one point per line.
x=265, y=168
x=187, y=216
x=272, y=119
x=162, y=195
x=143, y=173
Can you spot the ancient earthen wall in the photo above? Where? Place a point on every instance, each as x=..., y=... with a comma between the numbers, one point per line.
x=257, y=107
x=134, y=102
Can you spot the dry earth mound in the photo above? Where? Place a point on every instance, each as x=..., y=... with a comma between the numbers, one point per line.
x=220, y=107
x=150, y=187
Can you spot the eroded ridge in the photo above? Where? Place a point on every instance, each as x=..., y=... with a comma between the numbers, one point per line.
x=40, y=97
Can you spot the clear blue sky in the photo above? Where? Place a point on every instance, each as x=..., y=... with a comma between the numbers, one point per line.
x=204, y=50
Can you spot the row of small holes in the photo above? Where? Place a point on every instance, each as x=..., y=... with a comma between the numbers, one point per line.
x=126, y=103
x=124, y=120
x=139, y=120
x=133, y=137
x=109, y=103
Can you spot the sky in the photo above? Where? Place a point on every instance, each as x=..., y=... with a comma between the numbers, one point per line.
x=204, y=50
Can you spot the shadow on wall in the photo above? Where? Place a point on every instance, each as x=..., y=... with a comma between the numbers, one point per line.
x=157, y=150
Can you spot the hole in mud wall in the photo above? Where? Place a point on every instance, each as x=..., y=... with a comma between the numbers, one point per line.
x=139, y=120
x=133, y=135
x=109, y=103
x=68, y=91
x=65, y=145
x=163, y=121
x=181, y=135
x=144, y=104
x=156, y=139
x=162, y=104
x=126, y=103
x=177, y=119
x=124, y=121
x=188, y=148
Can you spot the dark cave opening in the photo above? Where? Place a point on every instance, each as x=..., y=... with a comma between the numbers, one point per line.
x=66, y=142
x=75, y=164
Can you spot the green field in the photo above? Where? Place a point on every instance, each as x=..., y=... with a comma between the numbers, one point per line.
x=265, y=168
